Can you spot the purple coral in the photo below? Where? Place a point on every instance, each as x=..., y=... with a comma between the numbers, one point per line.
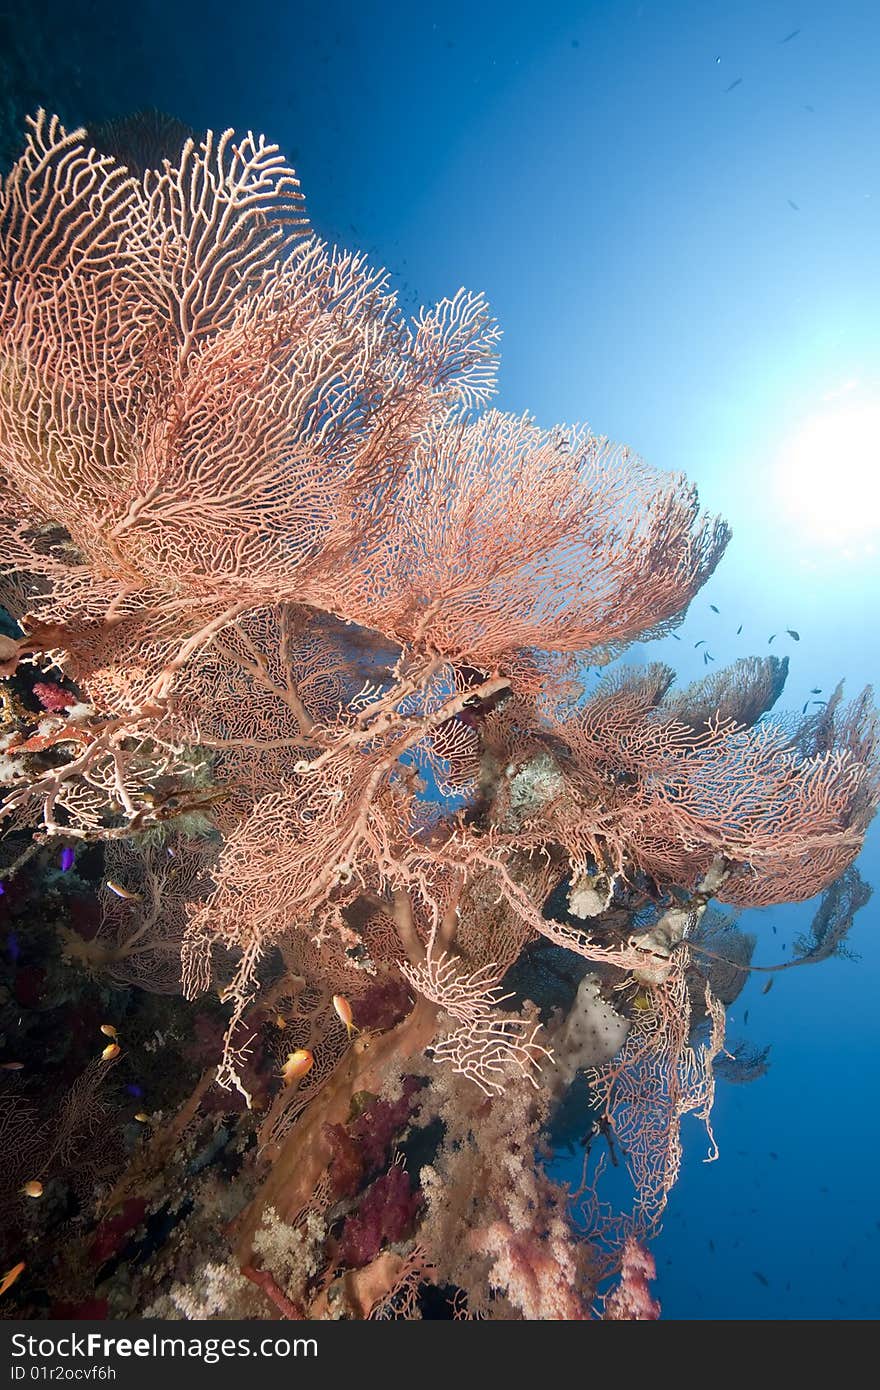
x=382, y=1122
x=387, y=1212
x=361, y=1147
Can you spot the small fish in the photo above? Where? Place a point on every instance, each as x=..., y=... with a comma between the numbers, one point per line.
x=714, y=609
x=773, y=927
x=109, y=1031
x=746, y=1016
x=804, y=710
x=769, y=985
x=808, y=108
x=642, y=1002
x=675, y=635
x=773, y=1155
x=770, y=639
x=2, y=888
x=11, y=1066
x=121, y=892
x=343, y=1013
x=33, y=1188
x=13, y=950
x=792, y=205
x=280, y=1022
x=297, y=1064
x=67, y=859
x=707, y=656
x=739, y=629
x=761, y=1278
x=10, y=1276
x=701, y=643
x=818, y=702
x=795, y=636
x=712, y=1246
x=142, y=1117
x=110, y=1051
x=733, y=84
x=135, y=1090
x=816, y=690
x=788, y=38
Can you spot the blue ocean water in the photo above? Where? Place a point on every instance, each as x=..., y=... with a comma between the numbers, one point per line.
x=673, y=211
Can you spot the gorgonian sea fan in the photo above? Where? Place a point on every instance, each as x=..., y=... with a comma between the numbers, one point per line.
x=307, y=586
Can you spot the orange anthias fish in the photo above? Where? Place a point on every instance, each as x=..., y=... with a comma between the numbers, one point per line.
x=109, y=1031
x=110, y=1051
x=297, y=1064
x=33, y=1188
x=343, y=1013
x=10, y=1276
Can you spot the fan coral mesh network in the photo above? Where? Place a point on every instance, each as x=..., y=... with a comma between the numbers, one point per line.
x=321, y=621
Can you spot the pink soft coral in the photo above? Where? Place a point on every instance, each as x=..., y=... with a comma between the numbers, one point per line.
x=631, y=1301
